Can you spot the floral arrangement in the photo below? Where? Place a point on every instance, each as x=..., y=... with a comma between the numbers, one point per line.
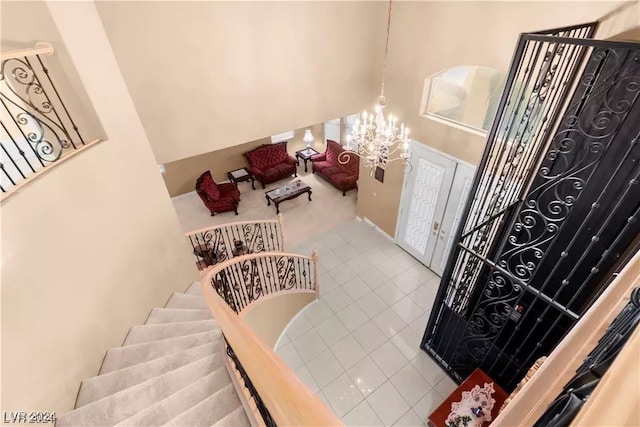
x=459, y=421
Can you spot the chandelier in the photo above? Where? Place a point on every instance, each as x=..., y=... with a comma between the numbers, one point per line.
x=374, y=138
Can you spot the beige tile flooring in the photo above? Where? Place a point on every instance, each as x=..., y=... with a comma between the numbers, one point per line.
x=358, y=345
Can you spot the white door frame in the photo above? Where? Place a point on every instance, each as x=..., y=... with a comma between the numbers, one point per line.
x=448, y=167
x=406, y=191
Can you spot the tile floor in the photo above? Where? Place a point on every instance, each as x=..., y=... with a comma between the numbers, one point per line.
x=358, y=345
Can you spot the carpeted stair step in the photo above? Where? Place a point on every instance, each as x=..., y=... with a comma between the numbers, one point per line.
x=194, y=289
x=122, y=405
x=170, y=315
x=123, y=357
x=178, y=300
x=209, y=410
x=181, y=401
x=147, y=333
x=96, y=388
x=237, y=418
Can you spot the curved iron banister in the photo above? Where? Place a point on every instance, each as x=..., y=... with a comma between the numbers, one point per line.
x=219, y=243
x=239, y=282
x=244, y=279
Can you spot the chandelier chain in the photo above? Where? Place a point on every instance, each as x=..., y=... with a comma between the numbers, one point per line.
x=386, y=50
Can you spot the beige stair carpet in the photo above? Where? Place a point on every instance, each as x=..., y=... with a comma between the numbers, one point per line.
x=179, y=402
x=209, y=410
x=170, y=315
x=169, y=371
x=178, y=300
x=148, y=333
x=237, y=418
x=194, y=289
x=96, y=388
x=122, y=357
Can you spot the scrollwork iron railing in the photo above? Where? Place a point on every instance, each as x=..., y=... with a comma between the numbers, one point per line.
x=220, y=243
x=36, y=126
x=555, y=203
x=262, y=408
x=245, y=279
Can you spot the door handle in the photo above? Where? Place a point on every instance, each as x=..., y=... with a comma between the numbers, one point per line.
x=436, y=225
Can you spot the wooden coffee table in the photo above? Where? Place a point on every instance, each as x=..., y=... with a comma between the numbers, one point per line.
x=285, y=192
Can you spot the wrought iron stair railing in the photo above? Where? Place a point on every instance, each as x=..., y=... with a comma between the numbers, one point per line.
x=243, y=280
x=214, y=245
x=272, y=394
x=239, y=282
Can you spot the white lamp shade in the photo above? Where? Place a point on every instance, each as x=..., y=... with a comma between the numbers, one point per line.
x=308, y=137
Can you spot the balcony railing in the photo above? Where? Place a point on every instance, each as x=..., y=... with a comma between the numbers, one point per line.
x=241, y=281
x=37, y=129
x=213, y=245
x=272, y=394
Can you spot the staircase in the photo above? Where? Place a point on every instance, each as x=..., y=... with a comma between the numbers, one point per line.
x=169, y=372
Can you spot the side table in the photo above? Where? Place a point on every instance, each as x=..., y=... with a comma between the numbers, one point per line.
x=438, y=418
x=305, y=155
x=241, y=175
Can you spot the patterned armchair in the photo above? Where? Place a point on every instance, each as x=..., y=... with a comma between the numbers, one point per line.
x=217, y=197
x=271, y=162
x=343, y=177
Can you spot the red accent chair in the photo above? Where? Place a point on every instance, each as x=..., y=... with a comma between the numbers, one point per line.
x=217, y=197
x=326, y=164
x=271, y=162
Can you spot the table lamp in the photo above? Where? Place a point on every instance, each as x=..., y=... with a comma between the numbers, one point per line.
x=308, y=138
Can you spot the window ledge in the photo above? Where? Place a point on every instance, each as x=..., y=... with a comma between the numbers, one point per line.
x=455, y=125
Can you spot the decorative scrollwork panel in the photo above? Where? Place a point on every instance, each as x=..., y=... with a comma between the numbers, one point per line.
x=36, y=126
x=224, y=242
x=247, y=279
x=555, y=206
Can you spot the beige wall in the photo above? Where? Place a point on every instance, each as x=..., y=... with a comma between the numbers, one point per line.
x=91, y=247
x=181, y=175
x=270, y=315
x=426, y=37
x=210, y=75
x=35, y=27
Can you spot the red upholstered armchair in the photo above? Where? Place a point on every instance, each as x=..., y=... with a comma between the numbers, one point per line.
x=271, y=162
x=326, y=164
x=217, y=197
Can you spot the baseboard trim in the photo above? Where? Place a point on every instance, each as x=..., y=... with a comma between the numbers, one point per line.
x=293, y=319
x=375, y=227
x=183, y=195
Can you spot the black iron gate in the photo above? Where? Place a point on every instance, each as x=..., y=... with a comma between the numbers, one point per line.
x=556, y=200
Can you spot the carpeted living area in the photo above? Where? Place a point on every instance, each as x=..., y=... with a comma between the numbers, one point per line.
x=303, y=219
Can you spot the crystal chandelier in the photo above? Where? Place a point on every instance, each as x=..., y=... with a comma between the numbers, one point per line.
x=375, y=139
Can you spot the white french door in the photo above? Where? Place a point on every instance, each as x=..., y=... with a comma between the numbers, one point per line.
x=424, y=198
x=433, y=197
x=458, y=196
